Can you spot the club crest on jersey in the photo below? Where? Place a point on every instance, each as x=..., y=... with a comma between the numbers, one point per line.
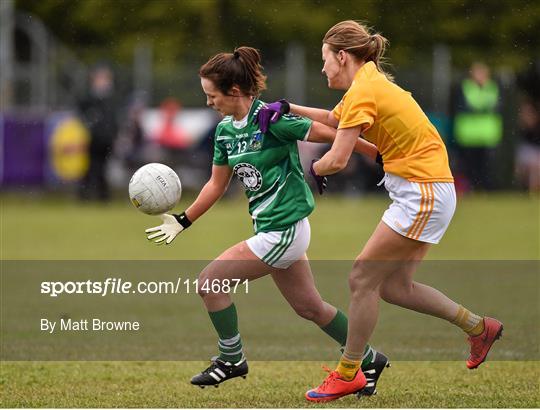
x=256, y=141
x=249, y=176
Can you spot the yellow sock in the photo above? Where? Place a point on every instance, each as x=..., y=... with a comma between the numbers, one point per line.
x=348, y=368
x=478, y=329
x=470, y=323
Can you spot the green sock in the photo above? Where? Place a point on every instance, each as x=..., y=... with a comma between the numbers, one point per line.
x=369, y=354
x=226, y=324
x=337, y=330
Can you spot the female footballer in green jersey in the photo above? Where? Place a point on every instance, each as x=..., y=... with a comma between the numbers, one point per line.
x=268, y=166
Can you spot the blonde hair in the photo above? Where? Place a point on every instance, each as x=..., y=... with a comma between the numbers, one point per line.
x=355, y=38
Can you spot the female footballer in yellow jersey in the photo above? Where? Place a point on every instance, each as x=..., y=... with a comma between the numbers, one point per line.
x=419, y=182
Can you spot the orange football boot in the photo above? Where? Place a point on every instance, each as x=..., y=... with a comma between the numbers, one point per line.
x=334, y=387
x=481, y=344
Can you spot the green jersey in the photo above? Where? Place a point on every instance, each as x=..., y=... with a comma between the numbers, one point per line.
x=268, y=166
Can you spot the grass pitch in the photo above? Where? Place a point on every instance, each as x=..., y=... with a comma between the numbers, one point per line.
x=503, y=228
x=270, y=384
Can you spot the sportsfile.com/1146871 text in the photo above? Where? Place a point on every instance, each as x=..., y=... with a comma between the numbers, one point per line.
x=118, y=286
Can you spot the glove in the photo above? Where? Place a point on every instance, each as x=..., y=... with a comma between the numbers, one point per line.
x=319, y=180
x=172, y=226
x=378, y=159
x=271, y=113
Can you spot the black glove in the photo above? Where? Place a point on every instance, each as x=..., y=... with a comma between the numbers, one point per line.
x=319, y=180
x=378, y=159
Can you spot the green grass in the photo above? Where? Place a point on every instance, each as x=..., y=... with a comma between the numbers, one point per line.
x=270, y=384
x=39, y=227
x=501, y=228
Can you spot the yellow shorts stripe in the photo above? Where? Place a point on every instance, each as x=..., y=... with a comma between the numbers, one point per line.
x=431, y=196
x=418, y=215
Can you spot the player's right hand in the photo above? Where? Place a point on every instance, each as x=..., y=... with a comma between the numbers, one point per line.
x=166, y=232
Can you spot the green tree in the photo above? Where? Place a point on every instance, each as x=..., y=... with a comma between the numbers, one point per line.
x=499, y=32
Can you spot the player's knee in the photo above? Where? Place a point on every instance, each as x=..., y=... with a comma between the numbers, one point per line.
x=360, y=278
x=203, y=290
x=308, y=312
x=202, y=293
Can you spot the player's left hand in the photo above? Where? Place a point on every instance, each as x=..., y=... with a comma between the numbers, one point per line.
x=271, y=113
x=171, y=227
x=321, y=181
x=379, y=159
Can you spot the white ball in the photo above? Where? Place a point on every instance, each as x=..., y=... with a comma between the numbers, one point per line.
x=155, y=189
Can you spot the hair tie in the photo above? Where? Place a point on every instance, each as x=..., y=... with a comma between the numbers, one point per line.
x=236, y=55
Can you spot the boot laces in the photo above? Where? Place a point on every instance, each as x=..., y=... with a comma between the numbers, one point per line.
x=213, y=365
x=332, y=376
x=210, y=368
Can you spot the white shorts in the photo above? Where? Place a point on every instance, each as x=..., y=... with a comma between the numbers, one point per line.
x=282, y=249
x=420, y=210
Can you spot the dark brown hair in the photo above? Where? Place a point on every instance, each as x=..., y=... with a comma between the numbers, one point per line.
x=355, y=38
x=242, y=68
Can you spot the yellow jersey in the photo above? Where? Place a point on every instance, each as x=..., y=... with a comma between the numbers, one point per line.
x=391, y=119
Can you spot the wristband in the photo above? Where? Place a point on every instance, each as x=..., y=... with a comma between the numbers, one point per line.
x=183, y=220
x=285, y=106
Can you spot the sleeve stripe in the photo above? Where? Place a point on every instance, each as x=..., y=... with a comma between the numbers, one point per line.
x=307, y=133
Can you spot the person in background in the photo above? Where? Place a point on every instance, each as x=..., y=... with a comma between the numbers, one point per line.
x=170, y=135
x=478, y=126
x=97, y=110
x=528, y=149
x=131, y=142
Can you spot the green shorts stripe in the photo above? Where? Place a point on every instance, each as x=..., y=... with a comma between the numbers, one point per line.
x=282, y=251
x=266, y=258
x=275, y=247
x=285, y=246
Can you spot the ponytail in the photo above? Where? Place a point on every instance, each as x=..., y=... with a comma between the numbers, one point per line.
x=379, y=44
x=356, y=39
x=242, y=68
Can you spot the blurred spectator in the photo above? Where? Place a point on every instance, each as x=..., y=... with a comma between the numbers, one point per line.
x=478, y=126
x=204, y=150
x=529, y=81
x=98, y=112
x=170, y=135
x=133, y=145
x=528, y=150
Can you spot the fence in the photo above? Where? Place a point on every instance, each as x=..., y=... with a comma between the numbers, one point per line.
x=43, y=77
